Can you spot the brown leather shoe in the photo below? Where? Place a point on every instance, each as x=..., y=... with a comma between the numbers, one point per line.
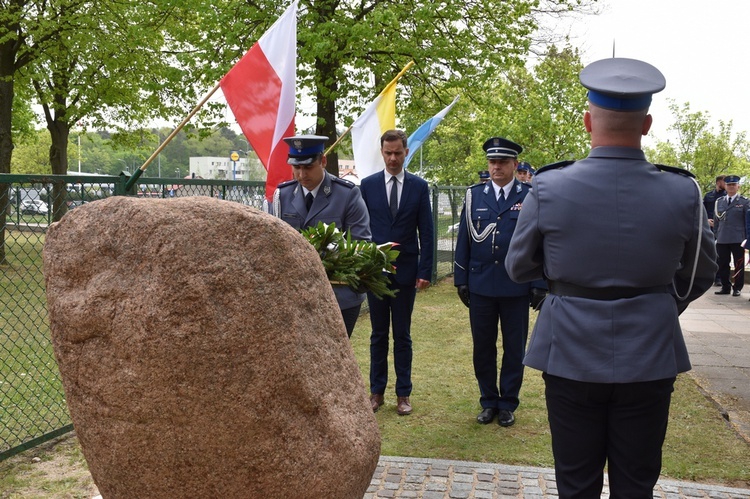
x=376, y=400
x=403, y=407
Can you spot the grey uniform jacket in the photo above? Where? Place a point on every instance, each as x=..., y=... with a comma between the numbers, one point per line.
x=337, y=201
x=729, y=220
x=612, y=220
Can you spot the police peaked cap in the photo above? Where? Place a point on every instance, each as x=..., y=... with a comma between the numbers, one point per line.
x=304, y=149
x=498, y=148
x=621, y=84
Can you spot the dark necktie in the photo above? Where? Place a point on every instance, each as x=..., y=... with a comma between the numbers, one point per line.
x=394, y=196
x=501, y=198
x=309, y=200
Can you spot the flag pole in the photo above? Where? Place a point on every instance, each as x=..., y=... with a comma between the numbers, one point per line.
x=392, y=82
x=139, y=172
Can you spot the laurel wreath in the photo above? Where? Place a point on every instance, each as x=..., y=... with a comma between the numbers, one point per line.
x=361, y=265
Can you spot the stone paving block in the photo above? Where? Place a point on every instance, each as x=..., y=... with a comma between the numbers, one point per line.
x=463, y=477
x=439, y=472
x=461, y=487
x=687, y=492
x=436, y=487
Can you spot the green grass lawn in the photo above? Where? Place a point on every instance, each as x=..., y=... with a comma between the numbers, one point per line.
x=31, y=397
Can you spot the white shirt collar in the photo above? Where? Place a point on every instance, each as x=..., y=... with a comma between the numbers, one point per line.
x=400, y=176
x=505, y=188
x=314, y=191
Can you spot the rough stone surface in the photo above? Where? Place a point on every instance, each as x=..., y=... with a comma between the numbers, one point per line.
x=203, y=354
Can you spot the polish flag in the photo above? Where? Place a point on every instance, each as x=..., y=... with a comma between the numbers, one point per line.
x=260, y=90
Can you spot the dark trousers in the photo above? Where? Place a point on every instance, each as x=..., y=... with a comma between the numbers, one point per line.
x=350, y=316
x=513, y=314
x=384, y=313
x=737, y=253
x=623, y=424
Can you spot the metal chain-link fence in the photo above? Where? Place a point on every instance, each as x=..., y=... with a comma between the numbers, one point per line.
x=32, y=401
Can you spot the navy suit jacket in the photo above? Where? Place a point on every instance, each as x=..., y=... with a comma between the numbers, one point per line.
x=412, y=228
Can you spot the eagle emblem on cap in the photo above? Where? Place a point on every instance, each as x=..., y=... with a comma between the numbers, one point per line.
x=298, y=144
x=496, y=142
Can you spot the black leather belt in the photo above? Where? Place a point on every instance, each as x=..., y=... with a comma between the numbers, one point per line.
x=609, y=293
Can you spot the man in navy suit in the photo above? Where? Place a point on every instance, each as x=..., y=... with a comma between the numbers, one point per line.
x=488, y=220
x=399, y=207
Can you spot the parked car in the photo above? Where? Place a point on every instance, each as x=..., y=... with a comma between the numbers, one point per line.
x=34, y=207
x=75, y=204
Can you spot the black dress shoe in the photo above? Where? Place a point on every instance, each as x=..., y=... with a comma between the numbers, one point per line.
x=736, y=292
x=722, y=292
x=487, y=415
x=505, y=418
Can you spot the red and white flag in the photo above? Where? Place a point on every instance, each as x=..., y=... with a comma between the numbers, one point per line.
x=261, y=90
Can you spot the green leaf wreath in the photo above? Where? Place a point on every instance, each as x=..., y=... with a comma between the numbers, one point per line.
x=357, y=264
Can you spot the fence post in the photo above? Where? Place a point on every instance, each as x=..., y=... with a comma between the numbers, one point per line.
x=122, y=182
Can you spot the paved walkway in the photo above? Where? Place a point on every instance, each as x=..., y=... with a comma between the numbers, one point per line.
x=717, y=332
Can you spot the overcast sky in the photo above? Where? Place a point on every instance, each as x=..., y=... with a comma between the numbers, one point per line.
x=700, y=46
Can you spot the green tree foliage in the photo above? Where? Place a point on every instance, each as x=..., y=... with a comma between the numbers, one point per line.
x=109, y=153
x=107, y=65
x=541, y=109
x=32, y=155
x=347, y=51
x=702, y=149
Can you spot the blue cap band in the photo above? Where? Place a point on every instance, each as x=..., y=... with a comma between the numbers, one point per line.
x=636, y=103
x=307, y=151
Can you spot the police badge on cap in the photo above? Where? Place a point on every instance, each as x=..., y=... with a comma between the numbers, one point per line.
x=304, y=149
x=498, y=148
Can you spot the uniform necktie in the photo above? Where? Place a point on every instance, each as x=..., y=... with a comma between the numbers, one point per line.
x=501, y=198
x=394, y=197
x=309, y=200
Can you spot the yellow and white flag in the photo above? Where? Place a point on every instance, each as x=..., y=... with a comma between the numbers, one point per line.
x=379, y=117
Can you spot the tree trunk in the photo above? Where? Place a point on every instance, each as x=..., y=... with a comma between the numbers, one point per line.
x=7, y=67
x=327, y=112
x=58, y=157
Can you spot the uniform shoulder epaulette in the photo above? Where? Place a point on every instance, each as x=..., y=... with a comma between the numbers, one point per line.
x=343, y=181
x=674, y=169
x=286, y=184
x=555, y=166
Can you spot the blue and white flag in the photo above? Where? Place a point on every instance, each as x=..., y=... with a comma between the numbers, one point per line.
x=417, y=138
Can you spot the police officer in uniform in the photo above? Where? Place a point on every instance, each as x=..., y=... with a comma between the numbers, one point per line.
x=317, y=196
x=625, y=246
x=709, y=202
x=729, y=226
x=487, y=222
x=523, y=172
